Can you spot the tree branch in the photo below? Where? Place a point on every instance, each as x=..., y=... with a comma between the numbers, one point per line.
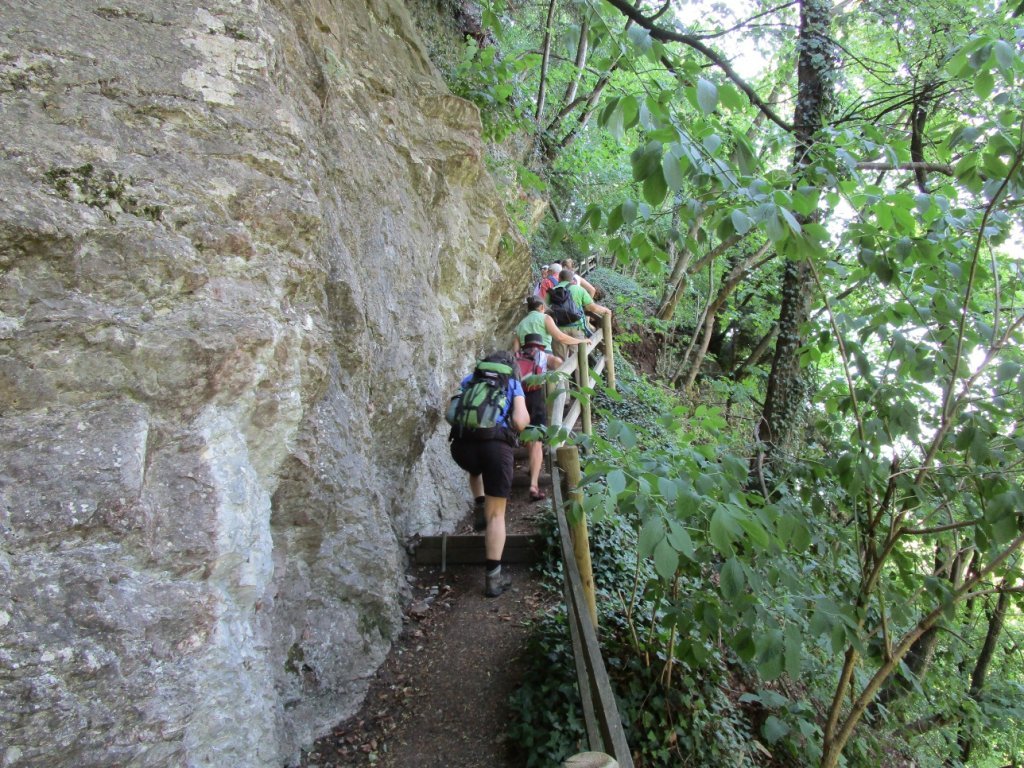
x=927, y=167
x=665, y=35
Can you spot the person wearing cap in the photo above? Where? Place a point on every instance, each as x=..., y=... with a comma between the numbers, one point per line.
x=532, y=360
x=546, y=283
x=536, y=321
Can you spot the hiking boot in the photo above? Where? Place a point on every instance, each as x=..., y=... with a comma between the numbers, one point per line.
x=479, y=519
x=496, y=582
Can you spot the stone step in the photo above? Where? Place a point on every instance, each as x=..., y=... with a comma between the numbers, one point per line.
x=520, y=480
x=468, y=549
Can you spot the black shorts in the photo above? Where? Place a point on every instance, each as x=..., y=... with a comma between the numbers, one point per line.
x=536, y=405
x=494, y=459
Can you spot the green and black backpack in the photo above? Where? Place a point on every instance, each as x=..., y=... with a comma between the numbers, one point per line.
x=475, y=412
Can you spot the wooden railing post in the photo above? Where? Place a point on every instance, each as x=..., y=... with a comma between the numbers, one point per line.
x=569, y=461
x=609, y=354
x=583, y=350
x=591, y=760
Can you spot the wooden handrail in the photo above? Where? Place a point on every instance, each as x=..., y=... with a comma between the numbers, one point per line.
x=600, y=712
x=557, y=415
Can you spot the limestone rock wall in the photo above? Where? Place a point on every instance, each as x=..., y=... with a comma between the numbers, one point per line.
x=247, y=248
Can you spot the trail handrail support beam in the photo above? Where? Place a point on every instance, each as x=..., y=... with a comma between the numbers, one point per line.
x=605, y=733
x=600, y=712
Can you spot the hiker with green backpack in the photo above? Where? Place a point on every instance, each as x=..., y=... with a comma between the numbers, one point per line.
x=486, y=417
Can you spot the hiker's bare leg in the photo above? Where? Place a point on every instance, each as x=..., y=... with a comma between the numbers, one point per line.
x=494, y=539
x=536, y=460
x=476, y=485
x=554, y=362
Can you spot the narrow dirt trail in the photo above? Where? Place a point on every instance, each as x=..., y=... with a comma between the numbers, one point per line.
x=441, y=698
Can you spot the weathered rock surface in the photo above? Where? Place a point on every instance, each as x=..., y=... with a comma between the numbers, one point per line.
x=246, y=250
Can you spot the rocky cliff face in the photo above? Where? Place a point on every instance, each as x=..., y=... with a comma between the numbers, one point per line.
x=246, y=250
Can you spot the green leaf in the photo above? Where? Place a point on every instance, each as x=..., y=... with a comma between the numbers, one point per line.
x=984, y=82
x=769, y=654
x=666, y=560
x=719, y=531
x=731, y=579
x=615, y=220
x=773, y=729
x=1005, y=57
x=757, y=533
x=629, y=211
x=640, y=38
x=616, y=123
x=776, y=231
x=655, y=188
x=790, y=220
x=741, y=222
x=606, y=113
x=680, y=539
x=731, y=97
x=707, y=96
x=667, y=489
x=616, y=482
x=672, y=171
x=793, y=651
x=650, y=536
x=1004, y=529
x=646, y=160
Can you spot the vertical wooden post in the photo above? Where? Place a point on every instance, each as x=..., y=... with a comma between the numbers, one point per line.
x=569, y=461
x=583, y=351
x=549, y=391
x=609, y=354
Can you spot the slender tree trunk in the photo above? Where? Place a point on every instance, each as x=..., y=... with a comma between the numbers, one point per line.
x=995, y=627
x=921, y=653
x=738, y=270
x=756, y=354
x=545, y=60
x=678, y=259
x=581, y=63
x=786, y=393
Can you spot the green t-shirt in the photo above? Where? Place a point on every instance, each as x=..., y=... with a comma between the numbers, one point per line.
x=534, y=323
x=581, y=297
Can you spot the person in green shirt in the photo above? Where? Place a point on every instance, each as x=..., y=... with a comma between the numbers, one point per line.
x=537, y=321
x=580, y=329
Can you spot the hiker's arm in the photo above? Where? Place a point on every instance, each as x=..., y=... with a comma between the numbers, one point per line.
x=587, y=287
x=597, y=309
x=520, y=416
x=549, y=324
x=515, y=342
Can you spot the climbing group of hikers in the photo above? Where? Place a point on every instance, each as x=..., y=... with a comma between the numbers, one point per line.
x=505, y=394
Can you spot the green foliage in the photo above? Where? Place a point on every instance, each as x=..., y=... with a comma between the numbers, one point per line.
x=489, y=80
x=894, y=513
x=546, y=715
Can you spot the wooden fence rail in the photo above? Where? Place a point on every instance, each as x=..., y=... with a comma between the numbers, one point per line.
x=603, y=723
x=600, y=712
x=577, y=366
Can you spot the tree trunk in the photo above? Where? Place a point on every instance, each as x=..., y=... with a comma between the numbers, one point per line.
x=995, y=627
x=786, y=394
x=756, y=354
x=545, y=60
x=738, y=270
x=581, y=63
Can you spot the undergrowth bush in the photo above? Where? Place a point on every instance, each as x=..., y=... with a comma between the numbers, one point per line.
x=688, y=721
